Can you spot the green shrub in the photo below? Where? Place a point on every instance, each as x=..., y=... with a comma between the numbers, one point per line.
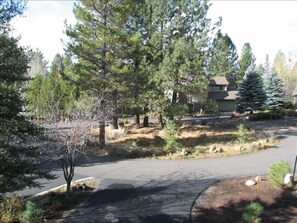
x=270, y=115
x=170, y=135
x=289, y=105
x=277, y=171
x=32, y=214
x=211, y=106
x=242, y=133
x=252, y=213
x=10, y=208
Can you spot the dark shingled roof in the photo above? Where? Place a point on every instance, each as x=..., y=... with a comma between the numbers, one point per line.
x=219, y=80
x=222, y=95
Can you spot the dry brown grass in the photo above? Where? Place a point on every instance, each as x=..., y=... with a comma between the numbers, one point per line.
x=194, y=140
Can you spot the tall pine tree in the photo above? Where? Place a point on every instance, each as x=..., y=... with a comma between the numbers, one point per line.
x=246, y=61
x=17, y=169
x=224, y=58
x=95, y=43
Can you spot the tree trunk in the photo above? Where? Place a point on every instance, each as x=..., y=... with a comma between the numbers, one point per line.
x=115, y=122
x=161, y=122
x=146, y=118
x=68, y=188
x=137, y=119
x=102, y=124
x=173, y=102
x=115, y=117
x=146, y=121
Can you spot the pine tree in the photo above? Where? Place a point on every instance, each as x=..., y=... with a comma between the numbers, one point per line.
x=251, y=94
x=224, y=58
x=16, y=169
x=274, y=91
x=95, y=41
x=187, y=48
x=8, y=10
x=37, y=64
x=246, y=61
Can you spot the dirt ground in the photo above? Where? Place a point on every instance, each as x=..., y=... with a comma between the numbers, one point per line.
x=224, y=202
x=195, y=140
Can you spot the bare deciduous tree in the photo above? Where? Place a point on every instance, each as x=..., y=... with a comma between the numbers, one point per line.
x=67, y=146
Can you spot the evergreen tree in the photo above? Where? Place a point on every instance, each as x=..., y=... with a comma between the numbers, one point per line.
x=10, y=9
x=95, y=41
x=224, y=58
x=274, y=91
x=37, y=64
x=52, y=97
x=246, y=61
x=266, y=68
x=187, y=49
x=16, y=169
x=251, y=94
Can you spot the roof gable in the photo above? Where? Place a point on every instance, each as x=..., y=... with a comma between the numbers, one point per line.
x=219, y=80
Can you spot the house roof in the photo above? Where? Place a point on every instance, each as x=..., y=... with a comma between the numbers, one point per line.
x=219, y=80
x=223, y=95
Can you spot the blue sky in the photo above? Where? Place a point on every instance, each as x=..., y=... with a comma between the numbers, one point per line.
x=267, y=25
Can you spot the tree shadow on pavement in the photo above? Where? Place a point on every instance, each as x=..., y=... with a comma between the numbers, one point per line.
x=167, y=199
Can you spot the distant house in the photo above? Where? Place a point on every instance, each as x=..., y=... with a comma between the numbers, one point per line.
x=218, y=90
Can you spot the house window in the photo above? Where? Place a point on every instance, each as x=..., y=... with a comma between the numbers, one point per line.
x=219, y=88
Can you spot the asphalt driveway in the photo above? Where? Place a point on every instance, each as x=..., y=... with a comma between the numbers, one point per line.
x=164, y=190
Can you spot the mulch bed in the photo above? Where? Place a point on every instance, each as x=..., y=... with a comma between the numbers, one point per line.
x=224, y=202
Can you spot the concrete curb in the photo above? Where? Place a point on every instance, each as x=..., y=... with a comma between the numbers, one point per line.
x=60, y=187
x=205, y=189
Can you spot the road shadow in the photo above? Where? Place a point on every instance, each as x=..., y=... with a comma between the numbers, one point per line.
x=167, y=199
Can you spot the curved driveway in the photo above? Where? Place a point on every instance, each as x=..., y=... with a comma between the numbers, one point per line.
x=164, y=190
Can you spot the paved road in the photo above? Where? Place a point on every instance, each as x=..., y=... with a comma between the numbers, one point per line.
x=164, y=190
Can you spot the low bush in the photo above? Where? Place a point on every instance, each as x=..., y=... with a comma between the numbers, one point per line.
x=32, y=214
x=242, y=133
x=170, y=135
x=271, y=115
x=252, y=213
x=277, y=171
x=10, y=208
x=290, y=112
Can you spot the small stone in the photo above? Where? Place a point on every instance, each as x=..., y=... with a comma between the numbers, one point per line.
x=250, y=183
x=184, y=152
x=212, y=149
x=258, y=178
x=288, y=178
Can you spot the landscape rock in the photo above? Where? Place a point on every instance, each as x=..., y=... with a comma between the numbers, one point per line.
x=212, y=149
x=288, y=178
x=250, y=183
x=258, y=178
x=184, y=152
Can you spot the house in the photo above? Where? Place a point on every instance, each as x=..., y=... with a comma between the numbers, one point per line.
x=218, y=90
